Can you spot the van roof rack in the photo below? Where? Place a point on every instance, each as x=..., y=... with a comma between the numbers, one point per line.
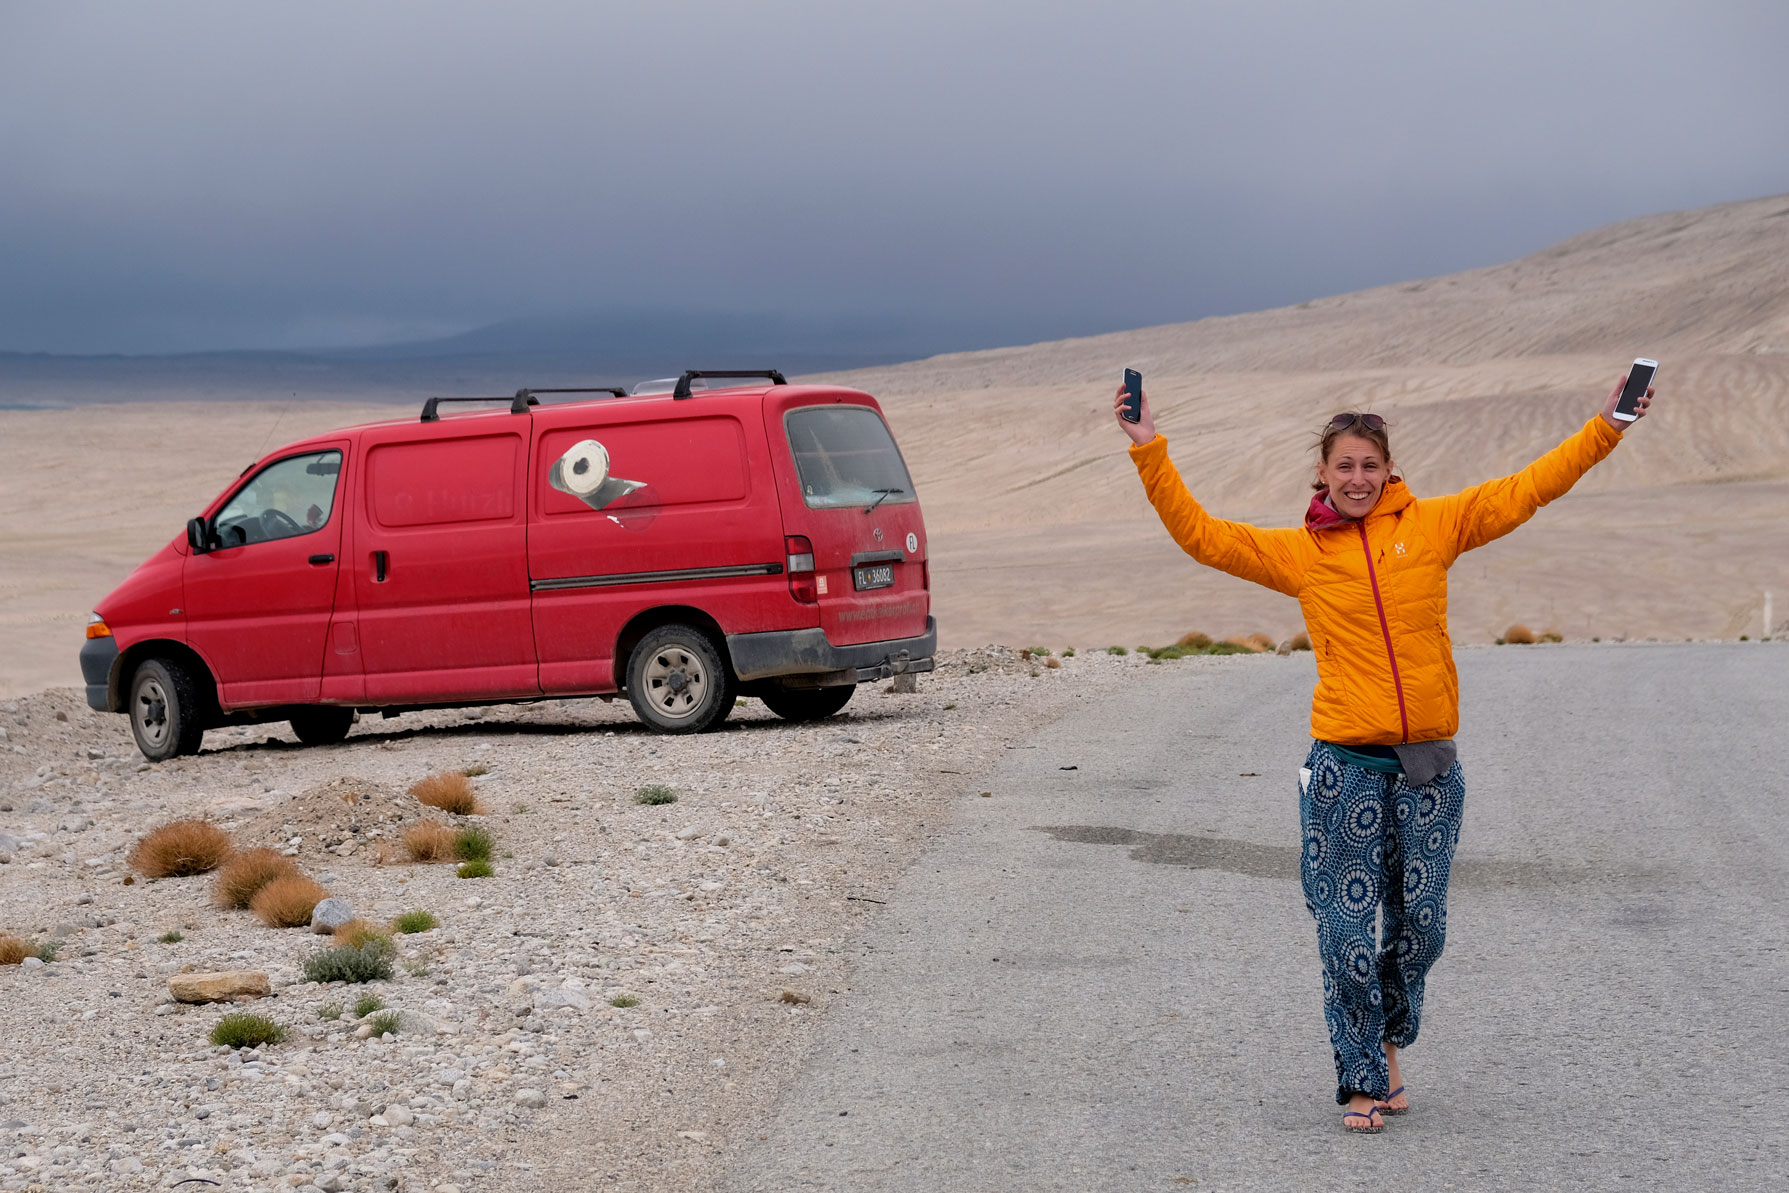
x=519, y=402
x=689, y=375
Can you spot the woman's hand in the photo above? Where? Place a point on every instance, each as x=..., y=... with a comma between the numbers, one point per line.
x=1615, y=396
x=1141, y=431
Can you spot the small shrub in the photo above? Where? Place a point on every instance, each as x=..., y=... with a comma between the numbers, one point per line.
x=243, y=876
x=475, y=770
x=1745, y=637
x=450, y=791
x=366, y=1004
x=385, y=1023
x=13, y=951
x=357, y=932
x=371, y=962
x=624, y=1000
x=331, y=1011
x=950, y=706
x=243, y=1030
x=1260, y=643
x=1053, y=664
x=1035, y=652
x=654, y=793
x=416, y=921
x=1068, y=652
x=476, y=869
x=1599, y=639
x=171, y=937
x=1117, y=650
x=417, y=968
x=180, y=849
x=48, y=951
x=287, y=901
x=1301, y=641
x=1519, y=635
x=1552, y=636
x=1194, y=640
x=473, y=844
x=428, y=841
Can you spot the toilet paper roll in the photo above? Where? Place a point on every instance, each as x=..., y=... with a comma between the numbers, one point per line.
x=584, y=467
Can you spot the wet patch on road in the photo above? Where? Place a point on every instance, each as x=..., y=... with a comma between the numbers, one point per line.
x=1255, y=860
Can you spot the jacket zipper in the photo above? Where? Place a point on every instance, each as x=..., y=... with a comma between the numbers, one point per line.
x=1384, y=628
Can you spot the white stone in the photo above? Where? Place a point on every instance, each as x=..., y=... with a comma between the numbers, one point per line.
x=329, y=915
x=533, y=1099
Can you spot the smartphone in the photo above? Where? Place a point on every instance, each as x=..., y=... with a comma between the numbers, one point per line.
x=1638, y=379
x=1133, y=405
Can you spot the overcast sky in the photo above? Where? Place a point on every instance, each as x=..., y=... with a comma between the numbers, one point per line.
x=178, y=176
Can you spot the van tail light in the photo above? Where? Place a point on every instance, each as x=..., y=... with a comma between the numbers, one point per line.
x=803, y=585
x=97, y=628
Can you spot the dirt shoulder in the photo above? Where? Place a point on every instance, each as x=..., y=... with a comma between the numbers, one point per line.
x=724, y=916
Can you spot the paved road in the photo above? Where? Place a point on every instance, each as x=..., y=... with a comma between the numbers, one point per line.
x=1105, y=978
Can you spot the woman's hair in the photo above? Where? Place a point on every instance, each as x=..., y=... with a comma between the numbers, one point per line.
x=1326, y=439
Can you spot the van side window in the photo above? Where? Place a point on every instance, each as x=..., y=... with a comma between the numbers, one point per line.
x=292, y=497
x=845, y=456
x=444, y=480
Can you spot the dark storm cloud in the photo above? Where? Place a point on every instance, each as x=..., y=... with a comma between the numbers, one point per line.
x=179, y=176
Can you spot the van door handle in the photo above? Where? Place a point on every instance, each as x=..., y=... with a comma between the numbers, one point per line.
x=320, y=560
x=380, y=559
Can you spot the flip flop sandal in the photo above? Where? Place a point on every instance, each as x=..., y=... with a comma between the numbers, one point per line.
x=1369, y=1129
x=1383, y=1108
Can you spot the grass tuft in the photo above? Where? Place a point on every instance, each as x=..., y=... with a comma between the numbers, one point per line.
x=1194, y=640
x=357, y=932
x=1117, y=650
x=1301, y=641
x=366, y=1004
x=332, y=1011
x=48, y=951
x=475, y=770
x=415, y=921
x=1260, y=643
x=13, y=951
x=180, y=849
x=624, y=1000
x=417, y=967
x=1552, y=636
x=371, y=962
x=1035, y=652
x=450, y=791
x=1053, y=664
x=1518, y=635
x=653, y=794
x=1183, y=648
x=243, y=876
x=476, y=869
x=473, y=844
x=171, y=937
x=385, y=1023
x=1068, y=652
x=287, y=901
x=243, y=1030
x=429, y=841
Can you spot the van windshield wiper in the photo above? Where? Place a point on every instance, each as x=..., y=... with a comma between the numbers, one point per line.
x=886, y=494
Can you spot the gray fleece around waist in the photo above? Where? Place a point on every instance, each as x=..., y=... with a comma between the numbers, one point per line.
x=1425, y=761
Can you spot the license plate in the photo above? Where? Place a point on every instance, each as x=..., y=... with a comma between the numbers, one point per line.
x=876, y=575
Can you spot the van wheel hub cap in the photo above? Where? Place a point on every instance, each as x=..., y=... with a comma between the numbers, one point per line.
x=152, y=712
x=676, y=682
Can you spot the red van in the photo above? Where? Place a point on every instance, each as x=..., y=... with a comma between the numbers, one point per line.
x=685, y=548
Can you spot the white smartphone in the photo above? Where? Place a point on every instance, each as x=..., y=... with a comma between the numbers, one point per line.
x=1638, y=379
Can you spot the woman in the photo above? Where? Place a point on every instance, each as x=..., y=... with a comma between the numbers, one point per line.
x=1381, y=794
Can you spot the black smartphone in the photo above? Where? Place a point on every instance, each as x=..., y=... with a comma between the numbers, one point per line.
x=1638, y=378
x=1133, y=404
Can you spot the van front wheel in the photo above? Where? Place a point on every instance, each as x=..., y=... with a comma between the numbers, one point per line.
x=324, y=725
x=806, y=704
x=164, y=710
x=677, y=682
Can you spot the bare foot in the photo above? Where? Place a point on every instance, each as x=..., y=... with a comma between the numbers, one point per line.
x=1363, y=1115
x=1398, y=1103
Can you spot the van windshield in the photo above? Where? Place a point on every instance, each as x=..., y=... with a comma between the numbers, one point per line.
x=845, y=456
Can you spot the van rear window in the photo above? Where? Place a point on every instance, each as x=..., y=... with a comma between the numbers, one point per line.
x=845, y=456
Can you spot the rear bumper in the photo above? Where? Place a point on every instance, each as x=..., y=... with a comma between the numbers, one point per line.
x=806, y=655
x=97, y=657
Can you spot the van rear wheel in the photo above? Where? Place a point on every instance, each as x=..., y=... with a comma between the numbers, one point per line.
x=677, y=682
x=324, y=725
x=806, y=704
x=164, y=710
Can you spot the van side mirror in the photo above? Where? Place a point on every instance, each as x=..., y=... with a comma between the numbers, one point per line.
x=198, y=535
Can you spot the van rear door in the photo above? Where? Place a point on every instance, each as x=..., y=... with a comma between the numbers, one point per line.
x=847, y=490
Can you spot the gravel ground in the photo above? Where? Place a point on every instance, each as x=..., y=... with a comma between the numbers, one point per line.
x=726, y=914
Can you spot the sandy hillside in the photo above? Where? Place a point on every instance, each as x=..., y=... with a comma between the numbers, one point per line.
x=1039, y=529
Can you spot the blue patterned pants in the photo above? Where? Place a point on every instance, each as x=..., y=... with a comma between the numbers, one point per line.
x=1376, y=858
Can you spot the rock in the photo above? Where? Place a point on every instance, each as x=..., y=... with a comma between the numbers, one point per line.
x=222, y=986
x=31, y=963
x=533, y=1099
x=688, y=834
x=562, y=997
x=399, y=1116
x=330, y=915
x=693, y=1136
x=415, y=1023
x=794, y=969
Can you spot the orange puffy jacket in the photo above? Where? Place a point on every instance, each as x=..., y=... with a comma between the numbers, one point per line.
x=1374, y=591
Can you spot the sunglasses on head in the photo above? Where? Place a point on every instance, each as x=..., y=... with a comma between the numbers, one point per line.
x=1349, y=418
